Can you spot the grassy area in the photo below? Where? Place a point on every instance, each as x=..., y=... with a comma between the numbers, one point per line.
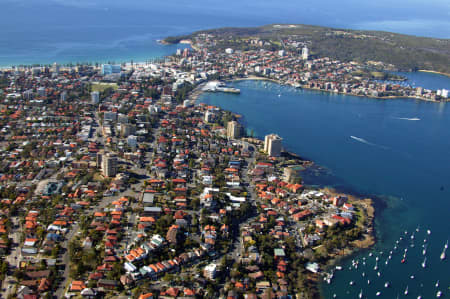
x=100, y=86
x=378, y=75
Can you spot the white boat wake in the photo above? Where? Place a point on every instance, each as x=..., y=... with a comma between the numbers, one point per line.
x=362, y=140
x=407, y=118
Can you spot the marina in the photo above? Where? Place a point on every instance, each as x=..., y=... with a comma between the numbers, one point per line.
x=259, y=100
x=376, y=275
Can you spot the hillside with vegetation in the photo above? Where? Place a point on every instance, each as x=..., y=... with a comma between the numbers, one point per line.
x=405, y=52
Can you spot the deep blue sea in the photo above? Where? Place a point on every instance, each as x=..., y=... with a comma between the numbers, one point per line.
x=399, y=153
x=63, y=31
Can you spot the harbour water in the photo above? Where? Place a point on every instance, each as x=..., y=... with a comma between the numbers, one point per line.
x=395, y=150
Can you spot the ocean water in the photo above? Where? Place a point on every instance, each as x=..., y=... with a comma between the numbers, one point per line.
x=47, y=31
x=393, y=150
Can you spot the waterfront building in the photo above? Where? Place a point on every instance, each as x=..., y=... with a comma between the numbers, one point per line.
x=305, y=53
x=109, y=165
x=109, y=69
x=95, y=97
x=233, y=130
x=273, y=145
x=291, y=174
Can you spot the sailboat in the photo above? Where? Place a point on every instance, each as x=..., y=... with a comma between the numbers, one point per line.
x=386, y=284
x=424, y=251
x=429, y=232
x=360, y=294
x=406, y=291
x=378, y=294
x=443, y=251
x=437, y=283
x=438, y=294
x=424, y=263
x=368, y=281
x=376, y=266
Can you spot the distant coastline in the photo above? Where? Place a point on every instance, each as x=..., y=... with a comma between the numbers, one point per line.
x=434, y=72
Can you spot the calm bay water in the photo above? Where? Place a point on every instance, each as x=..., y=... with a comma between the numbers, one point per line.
x=403, y=161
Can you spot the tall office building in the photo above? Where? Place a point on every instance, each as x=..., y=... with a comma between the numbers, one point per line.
x=305, y=53
x=56, y=68
x=109, y=165
x=272, y=145
x=233, y=129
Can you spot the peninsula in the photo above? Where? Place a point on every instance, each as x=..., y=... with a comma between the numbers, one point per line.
x=343, y=61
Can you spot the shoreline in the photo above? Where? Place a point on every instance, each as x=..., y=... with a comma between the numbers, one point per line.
x=366, y=206
x=256, y=78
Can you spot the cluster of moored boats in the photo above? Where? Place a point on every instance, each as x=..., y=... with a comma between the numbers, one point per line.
x=375, y=259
